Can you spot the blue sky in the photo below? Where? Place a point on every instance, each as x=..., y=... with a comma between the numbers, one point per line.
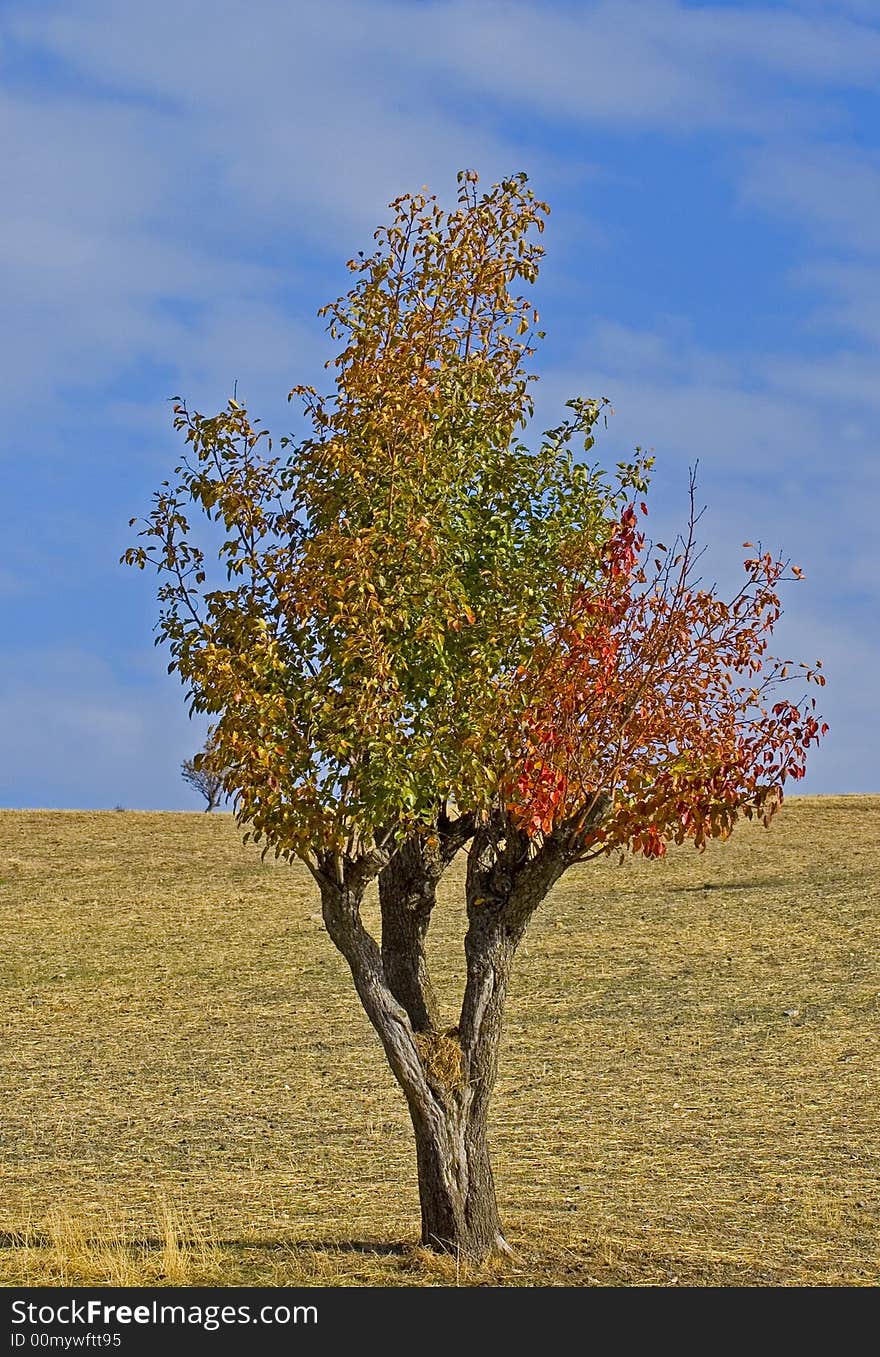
x=182, y=183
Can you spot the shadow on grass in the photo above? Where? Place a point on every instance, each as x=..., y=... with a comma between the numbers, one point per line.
x=730, y=886
x=40, y=1239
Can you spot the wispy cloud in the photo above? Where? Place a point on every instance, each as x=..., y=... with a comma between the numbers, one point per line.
x=831, y=190
x=651, y=63
x=75, y=733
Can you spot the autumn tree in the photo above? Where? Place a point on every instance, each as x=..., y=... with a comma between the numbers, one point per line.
x=205, y=773
x=419, y=635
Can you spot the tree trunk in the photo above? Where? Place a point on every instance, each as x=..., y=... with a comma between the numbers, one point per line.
x=456, y=1186
x=447, y=1089
x=447, y=1076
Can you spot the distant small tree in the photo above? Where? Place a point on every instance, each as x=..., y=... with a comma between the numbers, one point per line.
x=432, y=638
x=205, y=773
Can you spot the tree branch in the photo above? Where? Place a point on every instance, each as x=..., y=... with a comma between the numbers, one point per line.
x=407, y=896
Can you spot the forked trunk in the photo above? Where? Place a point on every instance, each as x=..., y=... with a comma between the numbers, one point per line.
x=447, y=1076
x=456, y=1186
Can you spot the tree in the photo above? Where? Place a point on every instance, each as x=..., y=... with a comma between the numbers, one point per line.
x=429, y=637
x=205, y=773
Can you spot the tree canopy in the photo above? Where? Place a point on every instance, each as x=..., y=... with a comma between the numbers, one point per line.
x=390, y=573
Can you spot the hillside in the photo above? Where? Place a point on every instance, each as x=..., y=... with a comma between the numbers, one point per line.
x=688, y=1094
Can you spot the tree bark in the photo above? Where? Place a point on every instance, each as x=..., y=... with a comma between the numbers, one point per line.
x=447, y=1076
x=407, y=894
x=456, y=1185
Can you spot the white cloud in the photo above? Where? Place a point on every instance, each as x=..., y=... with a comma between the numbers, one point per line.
x=844, y=380
x=656, y=65
x=140, y=203
x=288, y=113
x=831, y=190
x=846, y=300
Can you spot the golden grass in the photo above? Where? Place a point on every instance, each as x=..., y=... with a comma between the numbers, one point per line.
x=440, y=1054
x=65, y=1252
x=190, y=1092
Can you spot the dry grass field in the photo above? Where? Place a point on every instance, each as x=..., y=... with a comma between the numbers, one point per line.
x=189, y=1092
